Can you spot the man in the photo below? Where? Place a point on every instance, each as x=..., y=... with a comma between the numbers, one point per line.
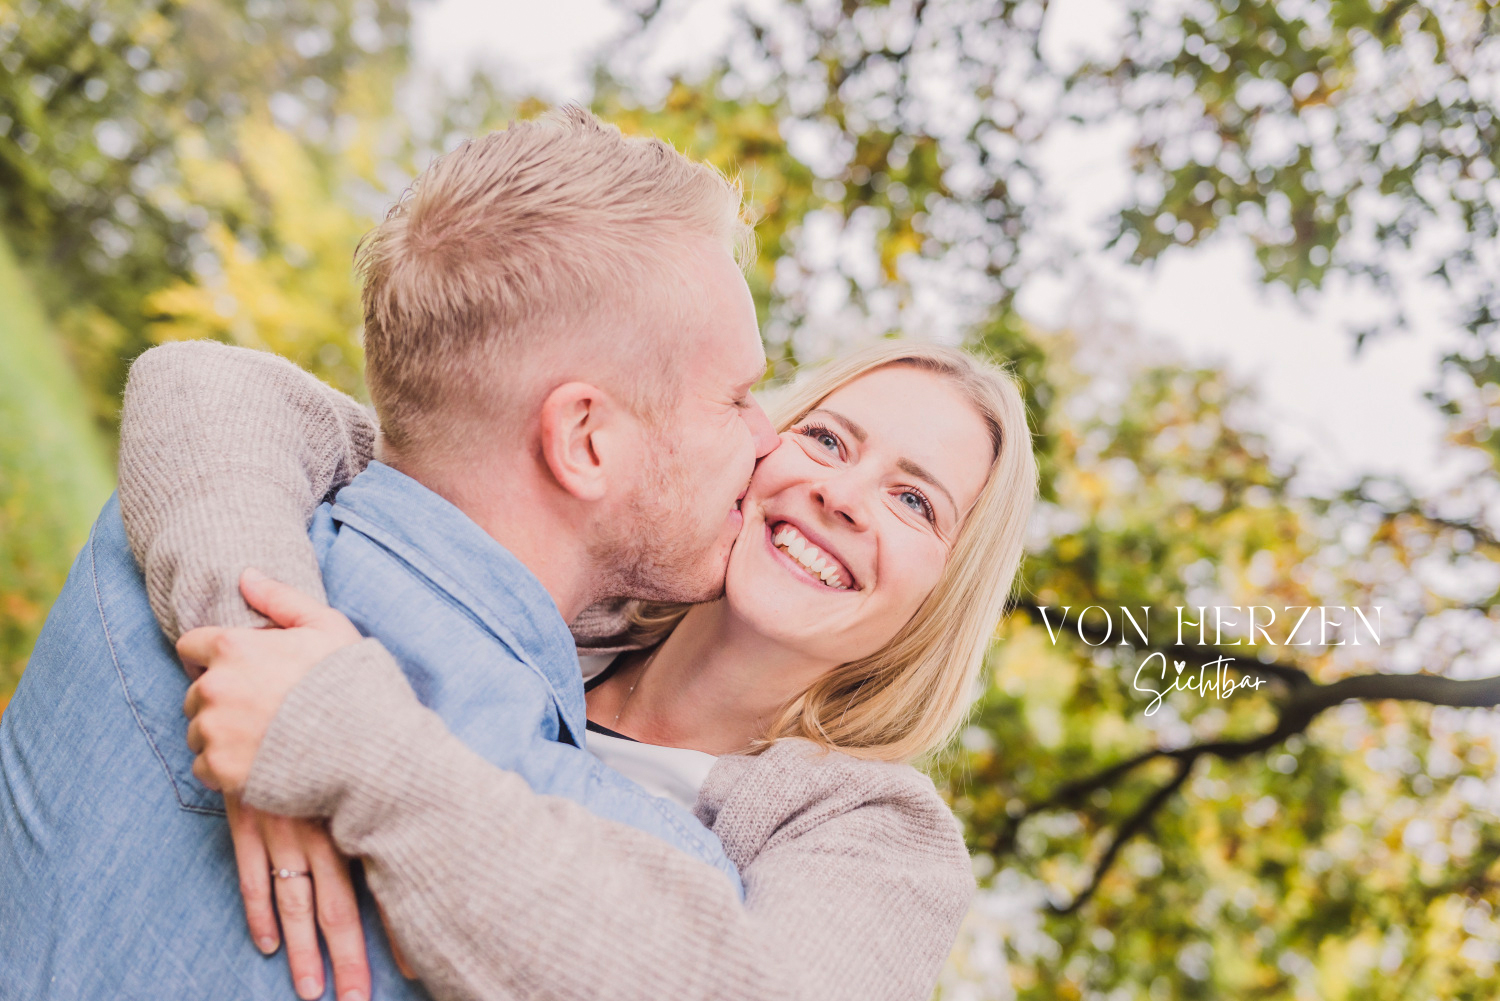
x=560, y=349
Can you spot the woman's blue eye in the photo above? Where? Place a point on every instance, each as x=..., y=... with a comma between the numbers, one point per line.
x=917, y=503
x=823, y=437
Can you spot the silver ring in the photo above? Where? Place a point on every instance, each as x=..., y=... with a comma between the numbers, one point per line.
x=287, y=873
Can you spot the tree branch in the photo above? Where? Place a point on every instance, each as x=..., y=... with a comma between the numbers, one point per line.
x=1433, y=689
x=1409, y=506
x=1304, y=703
x=648, y=13
x=1133, y=825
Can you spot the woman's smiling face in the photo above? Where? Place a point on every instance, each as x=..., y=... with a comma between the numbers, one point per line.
x=848, y=524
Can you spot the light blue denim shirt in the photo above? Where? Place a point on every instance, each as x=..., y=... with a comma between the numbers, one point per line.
x=117, y=875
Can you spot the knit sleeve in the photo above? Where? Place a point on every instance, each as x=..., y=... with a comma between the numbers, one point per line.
x=856, y=877
x=224, y=455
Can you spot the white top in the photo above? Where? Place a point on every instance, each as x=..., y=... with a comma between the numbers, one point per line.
x=675, y=773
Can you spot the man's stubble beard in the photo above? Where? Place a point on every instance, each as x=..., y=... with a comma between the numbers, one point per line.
x=651, y=558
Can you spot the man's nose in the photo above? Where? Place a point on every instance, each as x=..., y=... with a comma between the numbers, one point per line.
x=761, y=432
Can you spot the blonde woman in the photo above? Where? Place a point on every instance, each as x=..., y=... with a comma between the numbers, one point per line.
x=879, y=544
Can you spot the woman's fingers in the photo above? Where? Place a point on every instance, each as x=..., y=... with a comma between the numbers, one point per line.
x=192, y=702
x=338, y=914
x=281, y=603
x=289, y=608
x=324, y=898
x=197, y=647
x=202, y=773
x=294, y=902
x=255, y=875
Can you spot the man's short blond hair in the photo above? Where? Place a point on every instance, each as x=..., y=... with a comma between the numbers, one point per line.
x=544, y=234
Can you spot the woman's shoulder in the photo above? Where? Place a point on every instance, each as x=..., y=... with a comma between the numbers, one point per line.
x=796, y=790
x=793, y=766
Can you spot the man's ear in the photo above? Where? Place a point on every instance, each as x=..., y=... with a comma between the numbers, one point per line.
x=583, y=437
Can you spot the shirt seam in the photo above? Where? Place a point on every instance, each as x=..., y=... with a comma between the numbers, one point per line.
x=125, y=686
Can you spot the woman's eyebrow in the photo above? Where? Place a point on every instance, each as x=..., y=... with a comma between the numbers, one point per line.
x=854, y=428
x=907, y=466
x=912, y=469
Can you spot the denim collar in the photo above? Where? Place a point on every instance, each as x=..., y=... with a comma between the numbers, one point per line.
x=437, y=541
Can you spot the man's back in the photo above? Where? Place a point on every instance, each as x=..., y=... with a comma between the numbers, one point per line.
x=119, y=877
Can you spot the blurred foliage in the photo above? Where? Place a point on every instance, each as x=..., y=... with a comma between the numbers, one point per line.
x=281, y=281
x=1285, y=852
x=909, y=125
x=171, y=170
x=1337, y=135
x=743, y=139
x=129, y=149
x=205, y=169
x=1356, y=858
x=54, y=469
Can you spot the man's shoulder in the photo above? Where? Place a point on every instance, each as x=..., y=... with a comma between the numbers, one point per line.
x=102, y=659
x=105, y=582
x=105, y=595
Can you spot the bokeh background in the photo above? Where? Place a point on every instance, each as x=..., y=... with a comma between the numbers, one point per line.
x=1242, y=252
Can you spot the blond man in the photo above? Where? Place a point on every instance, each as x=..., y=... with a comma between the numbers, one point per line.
x=560, y=347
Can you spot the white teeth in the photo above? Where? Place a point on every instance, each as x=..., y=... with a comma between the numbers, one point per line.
x=790, y=541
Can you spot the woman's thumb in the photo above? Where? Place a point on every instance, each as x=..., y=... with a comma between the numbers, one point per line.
x=283, y=604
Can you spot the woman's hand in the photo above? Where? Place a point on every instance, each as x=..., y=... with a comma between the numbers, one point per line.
x=248, y=673
x=320, y=899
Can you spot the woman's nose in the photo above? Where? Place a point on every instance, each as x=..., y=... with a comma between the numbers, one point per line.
x=845, y=497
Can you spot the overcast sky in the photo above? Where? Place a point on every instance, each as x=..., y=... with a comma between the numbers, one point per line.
x=1339, y=413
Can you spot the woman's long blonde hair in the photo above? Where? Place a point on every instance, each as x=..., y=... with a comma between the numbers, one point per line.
x=908, y=698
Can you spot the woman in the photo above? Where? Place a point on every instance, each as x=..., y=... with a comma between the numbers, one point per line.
x=879, y=544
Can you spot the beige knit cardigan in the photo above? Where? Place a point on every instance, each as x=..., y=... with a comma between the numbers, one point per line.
x=855, y=872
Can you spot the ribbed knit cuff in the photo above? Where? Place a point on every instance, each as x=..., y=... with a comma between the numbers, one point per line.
x=332, y=732
x=196, y=553
x=224, y=455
